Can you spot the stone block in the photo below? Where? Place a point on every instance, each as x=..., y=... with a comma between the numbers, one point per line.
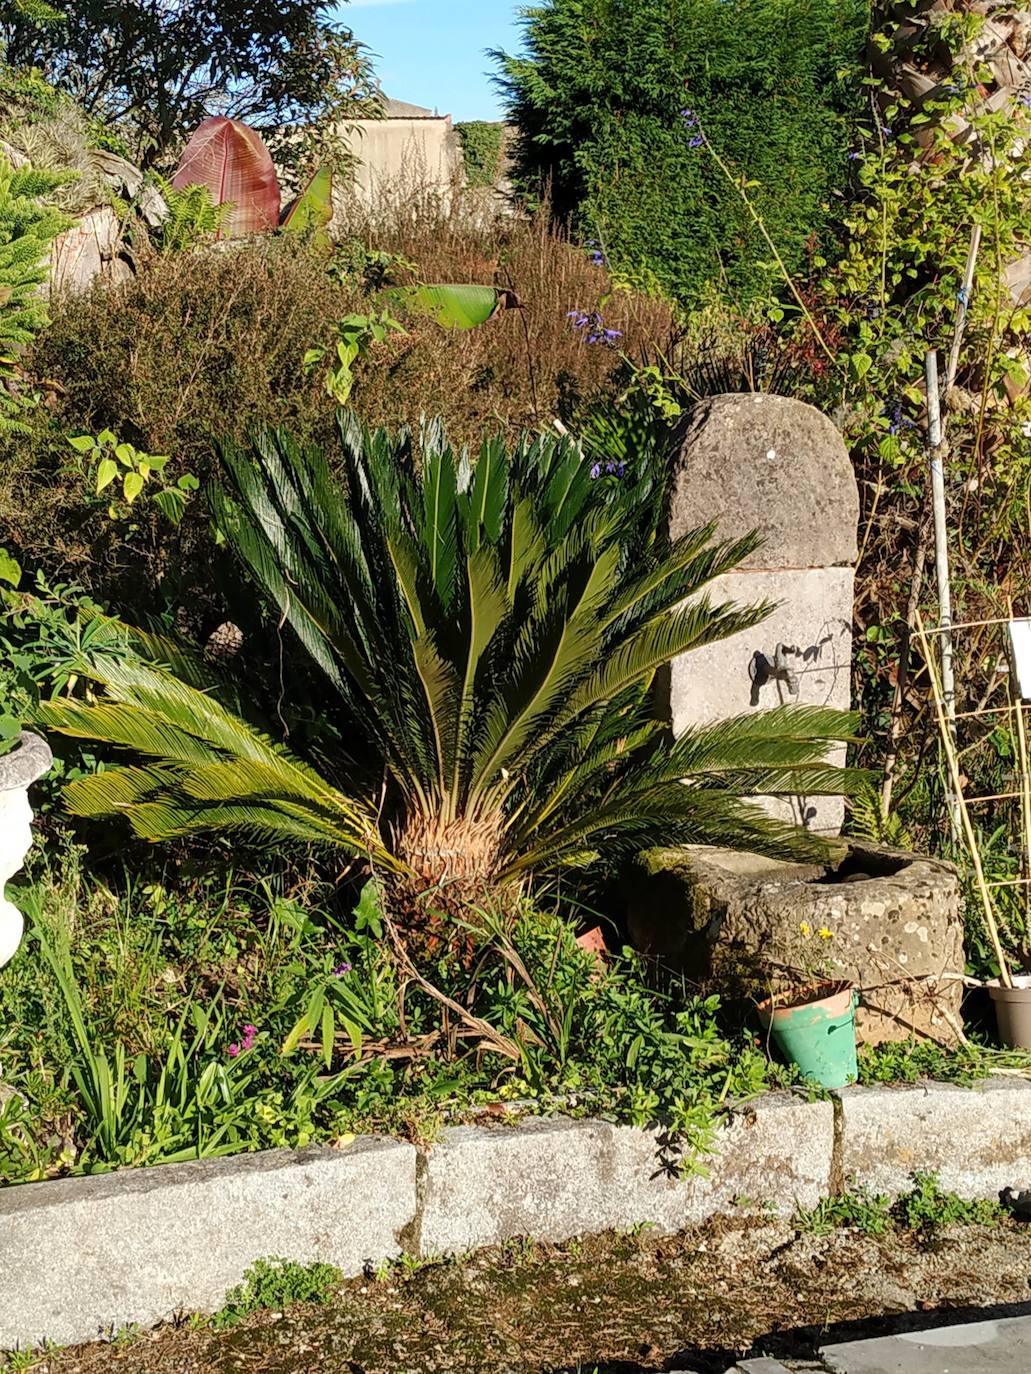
x=977, y=1140
x=987, y=1347
x=778, y=467
x=553, y=1179
x=747, y=923
x=813, y=627
x=84, y=1256
x=754, y=461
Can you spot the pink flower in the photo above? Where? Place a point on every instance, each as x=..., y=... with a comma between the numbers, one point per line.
x=232, y=1050
x=249, y=1032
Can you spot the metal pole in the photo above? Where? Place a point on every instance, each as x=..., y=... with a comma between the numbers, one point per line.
x=941, y=556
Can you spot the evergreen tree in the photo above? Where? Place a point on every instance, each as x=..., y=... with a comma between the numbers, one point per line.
x=609, y=99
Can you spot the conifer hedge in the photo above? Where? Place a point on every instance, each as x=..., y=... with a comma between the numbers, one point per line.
x=597, y=96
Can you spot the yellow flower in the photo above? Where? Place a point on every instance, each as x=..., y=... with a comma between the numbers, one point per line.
x=805, y=928
x=825, y=934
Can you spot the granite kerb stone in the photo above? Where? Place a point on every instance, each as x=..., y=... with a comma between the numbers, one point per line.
x=976, y=1139
x=85, y=1256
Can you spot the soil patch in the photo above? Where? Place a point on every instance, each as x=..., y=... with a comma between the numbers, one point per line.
x=613, y=1303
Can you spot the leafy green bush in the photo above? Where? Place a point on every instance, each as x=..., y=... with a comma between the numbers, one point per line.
x=28, y=226
x=183, y=1014
x=486, y=640
x=609, y=101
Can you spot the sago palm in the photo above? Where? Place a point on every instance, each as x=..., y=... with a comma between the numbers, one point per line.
x=485, y=636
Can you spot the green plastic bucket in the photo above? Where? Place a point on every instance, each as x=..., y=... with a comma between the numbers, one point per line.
x=816, y=1029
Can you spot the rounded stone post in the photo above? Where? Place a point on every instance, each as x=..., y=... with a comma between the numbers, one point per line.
x=28, y=761
x=753, y=461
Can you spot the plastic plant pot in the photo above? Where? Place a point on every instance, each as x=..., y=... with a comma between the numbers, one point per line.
x=815, y=1028
x=1013, y=1012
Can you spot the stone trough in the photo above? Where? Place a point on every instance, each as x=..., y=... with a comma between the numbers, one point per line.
x=744, y=924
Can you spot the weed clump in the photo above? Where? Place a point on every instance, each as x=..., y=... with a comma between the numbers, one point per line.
x=270, y=1284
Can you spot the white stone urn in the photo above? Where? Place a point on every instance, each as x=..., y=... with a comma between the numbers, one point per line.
x=28, y=761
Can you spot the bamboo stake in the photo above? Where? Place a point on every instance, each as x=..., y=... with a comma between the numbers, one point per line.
x=898, y=700
x=936, y=447
x=962, y=306
x=949, y=745
x=902, y=678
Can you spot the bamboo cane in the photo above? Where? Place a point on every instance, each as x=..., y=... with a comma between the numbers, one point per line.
x=949, y=745
x=962, y=306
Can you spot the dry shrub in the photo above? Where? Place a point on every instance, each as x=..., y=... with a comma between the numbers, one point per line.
x=526, y=366
x=210, y=343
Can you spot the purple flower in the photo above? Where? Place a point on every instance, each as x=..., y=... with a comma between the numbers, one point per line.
x=690, y=118
x=594, y=327
x=245, y=1042
x=695, y=141
x=341, y=969
x=896, y=420
x=886, y=131
x=598, y=258
x=1025, y=99
x=595, y=472
x=852, y=157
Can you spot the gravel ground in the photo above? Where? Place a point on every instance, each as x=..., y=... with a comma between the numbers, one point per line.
x=616, y=1303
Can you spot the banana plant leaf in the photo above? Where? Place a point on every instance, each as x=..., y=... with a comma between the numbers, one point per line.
x=311, y=210
x=231, y=160
x=457, y=306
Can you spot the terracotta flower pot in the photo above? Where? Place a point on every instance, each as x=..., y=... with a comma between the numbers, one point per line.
x=815, y=1028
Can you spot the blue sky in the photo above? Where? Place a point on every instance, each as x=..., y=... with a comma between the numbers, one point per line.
x=431, y=52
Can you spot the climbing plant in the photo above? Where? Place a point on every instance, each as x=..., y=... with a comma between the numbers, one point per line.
x=481, y=148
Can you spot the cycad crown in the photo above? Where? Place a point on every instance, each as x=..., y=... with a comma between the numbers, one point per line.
x=486, y=634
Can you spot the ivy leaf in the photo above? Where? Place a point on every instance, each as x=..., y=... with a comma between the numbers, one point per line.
x=860, y=364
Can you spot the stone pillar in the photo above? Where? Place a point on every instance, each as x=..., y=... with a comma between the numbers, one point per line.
x=769, y=463
x=27, y=762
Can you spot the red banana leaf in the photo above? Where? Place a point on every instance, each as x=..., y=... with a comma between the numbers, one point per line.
x=233, y=163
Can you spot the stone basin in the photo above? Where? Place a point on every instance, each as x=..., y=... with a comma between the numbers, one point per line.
x=742, y=925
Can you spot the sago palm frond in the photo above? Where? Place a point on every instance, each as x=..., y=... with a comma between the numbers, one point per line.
x=214, y=771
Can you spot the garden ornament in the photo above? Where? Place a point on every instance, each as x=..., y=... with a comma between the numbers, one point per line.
x=28, y=761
